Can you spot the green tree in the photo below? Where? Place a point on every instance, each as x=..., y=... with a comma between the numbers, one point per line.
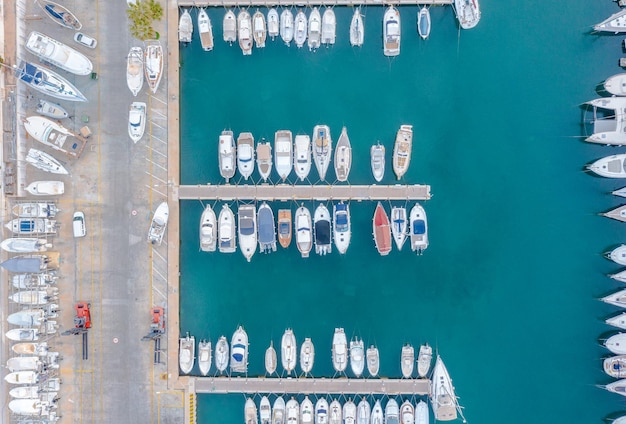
x=142, y=14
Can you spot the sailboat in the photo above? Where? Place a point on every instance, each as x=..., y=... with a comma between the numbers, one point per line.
x=381, y=230
x=153, y=64
x=322, y=148
x=399, y=225
x=444, y=401
x=134, y=70
x=304, y=232
x=208, y=230
x=60, y=14
x=45, y=162
x=402, y=150
x=48, y=82
x=357, y=33
x=206, y=30
x=343, y=156
x=468, y=13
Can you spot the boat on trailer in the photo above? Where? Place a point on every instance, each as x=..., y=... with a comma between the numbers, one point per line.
x=35, y=210
x=159, y=224
x=51, y=110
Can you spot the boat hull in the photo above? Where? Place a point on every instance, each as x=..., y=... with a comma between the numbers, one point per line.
x=58, y=54
x=48, y=82
x=135, y=70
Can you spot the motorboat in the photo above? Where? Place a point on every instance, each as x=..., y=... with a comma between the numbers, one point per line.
x=265, y=410
x=250, y=412
x=230, y=27
x=615, y=366
x=286, y=26
x=278, y=411
x=186, y=353
x=25, y=392
x=271, y=360
x=402, y=150
x=618, y=213
x=423, y=22
x=239, y=351
x=377, y=159
x=51, y=110
x=24, y=245
x=282, y=153
x=33, y=281
x=204, y=356
x=329, y=26
x=391, y=32
x=407, y=413
x=392, y=412
x=52, y=51
x=208, y=230
x=616, y=299
x=322, y=148
x=264, y=159
x=205, y=29
x=315, y=29
x=467, y=12
x=349, y=412
x=307, y=355
x=618, y=387
x=357, y=30
x=247, y=226
x=259, y=31
x=23, y=334
x=300, y=29
x=373, y=360
x=302, y=156
x=24, y=363
x=22, y=377
x=357, y=356
x=159, y=224
x=616, y=85
x=618, y=321
x=418, y=229
x=136, y=121
x=35, y=210
x=377, y=416
x=343, y=156
x=46, y=188
x=284, y=227
x=421, y=413
x=442, y=397
x=381, y=230
x=609, y=119
x=306, y=411
x=28, y=317
x=407, y=359
x=322, y=230
x=424, y=359
x=226, y=230
x=615, y=23
x=244, y=32
x=31, y=226
x=31, y=407
x=293, y=411
x=48, y=82
x=399, y=225
x=60, y=14
x=304, y=234
x=363, y=412
x=288, y=351
x=153, y=64
x=45, y=162
x=31, y=264
x=134, y=70
x=245, y=154
x=617, y=255
x=336, y=416
x=340, y=350
x=341, y=226
x=185, y=27
x=54, y=135
x=321, y=411
x=227, y=154
x=273, y=23
x=221, y=354
x=267, y=229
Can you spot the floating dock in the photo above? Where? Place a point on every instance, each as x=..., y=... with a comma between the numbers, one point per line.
x=292, y=3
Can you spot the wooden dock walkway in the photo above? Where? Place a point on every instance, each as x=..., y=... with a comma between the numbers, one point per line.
x=300, y=3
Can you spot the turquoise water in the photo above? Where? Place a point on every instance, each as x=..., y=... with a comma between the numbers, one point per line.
x=506, y=291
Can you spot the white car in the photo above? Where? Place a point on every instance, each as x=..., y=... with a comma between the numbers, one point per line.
x=85, y=40
x=78, y=224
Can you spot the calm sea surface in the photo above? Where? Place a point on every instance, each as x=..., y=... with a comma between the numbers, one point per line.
x=507, y=289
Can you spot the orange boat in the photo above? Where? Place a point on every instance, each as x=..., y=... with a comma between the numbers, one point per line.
x=382, y=230
x=284, y=227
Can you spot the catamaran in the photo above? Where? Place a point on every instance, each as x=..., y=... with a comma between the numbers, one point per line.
x=58, y=54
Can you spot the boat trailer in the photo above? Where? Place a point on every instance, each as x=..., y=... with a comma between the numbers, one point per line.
x=157, y=329
x=82, y=323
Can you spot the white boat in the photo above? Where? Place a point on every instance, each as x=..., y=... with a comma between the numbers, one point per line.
x=443, y=399
x=335, y=413
x=377, y=160
x=340, y=350
x=407, y=359
x=402, y=150
x=25, y=392
x=302, y=156
x=373, y=360
x=306, y=411
x=32, y=263
x=30, y=407
x=227, y=154
x=423, y=22
x=609, y=119
x=424, y=359
x=421, y=413
x=206, y=30
x=273, y=23
x=621, y=192
x=48, y=82
x=357, y=30
x=278, y=411
x=399, y=224
x=341, y=226
x=617, y=299
x=204, y=356
x=288, y=351
x=282, y=153
x=186, y=353
x=391, y=32
x=239, y=351
x=259, y=31
x=618, y=321
x=286, y=26
x=329, y=26
x=300, y=29
x=315, y=29
x=615, y=23
x=45, y=162
x=31, y=226
x=357, y=356
x=51, y=110
x=153, y=64
x=52, y=134
x=392, y=412
x=46, y=188
x=24, y=245
x=227, y=231
x=28, y=317
x=208, y=230
x=60, y=14
x=618, y=213
x=23, y=334
x=322, y=149
x=267, y=229
x=284, y=227
x=250, y=412
x=616, y=344
x=418, y=229
x=35, y=210
x=136, y=121
x=134, y=70
x=321, y=411
x=33, y=281
x=230, y=27
x=22, y=377
x=467, y=12
x=349, y=412
x=244, y=32
x=322, y=230
x=616, y=85
x=613, y=166
x=264, y=159
x=618, y=387
x=24, y=363
x=377, y=416
x=363, y=412
x=407, y=413
x=221, y=354
x=307, y=355
x=52, y=51
x=271, y=360
x=245, y=154
x=615, y=366
x=304, y=231
x=293, y=411
x=247, y=227
x=343, y=156
x=185, y=27
x=265, y=410
x=617, y=255
x=159, y=224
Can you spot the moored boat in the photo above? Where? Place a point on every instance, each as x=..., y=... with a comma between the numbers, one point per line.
x=349, y=412
x=186, y=353
x=618, y=321
x=322, y=230
x=278, y=411
x=357, y=31
x=613, y=166
x=363, y=412
x=288, y=351
x=407, y=359
x=273, y=23
x=329, y=26
x=226, y=154
x=265, y=410
x=31, y=226
x=185, y=27
x=136, y=121
x=618, y=213
x=321, y=411
x=377, y=416
x=286, y=26
x=52, y=134
x=282, y=153
x=250, y=412
x=206, y=30
x=264, y=159
x=48, y=82
x=284, y=227
x=267, y=229
x=153, y=64
x=399, y=224
x=159, y=224
x=244, y=32
x=208, y=230
x=300, y=29
x=341, y=226
x=247, y=228
x=60, y=14
x=616, y=84
x=35, y=210
x=322, y=149
x=134, y=70
x=392, y=412
x=615, y=366
x=306, y=411
x=343, y=156
x=621, y=192
x=615, y=23
x=467, y=12
x=617, y=299
x=315, y=29
x=335, y=412
x=357, y=356
x=239, y=351
x=617, y=255
x=340, y=350
x=245, y=154
x=230, y=27
x=304, y=233
x=373, y=360
x=307, y=355
x=24, y=245
x=443, y=399
x=609, y=118
x=302, y=156
x=407, y=413
x=424, y=359
x=45, y=162
x=221, y=354
x=271, y=360
x=618, y=387
x=46, y=188
x=259, y=30
x=402, y=150
x=381, y=230
x=226, y=230
x=293, y=411
x=423, y=22
x=391, y=32
x=204, y=356
x=418, y=229
x=421, y=413
x=51, y=110
x=377, y=160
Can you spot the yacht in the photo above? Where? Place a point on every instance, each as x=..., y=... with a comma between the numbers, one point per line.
x=321, y=230
x=48, y=82
x=284, y=227
x=273, y=23
x=340, y=350
x=259, y=31
x=617, y=299
x=307, y=355
x=335, y=413
x=206, y=30
x=399, y=225
x=349, y=412
x=373, y=360
x=300, y=29
x=264, y=159
x=247, y=226
x=392, y=412
x=423, y=22
x=357, y=30
x=443, y=399
x=321, y=411
x=407, y=413
x=250, y=412
x=245, y=154
x=32, y=226
x=265, y=410
x=270, y=359
x=208, y=230
x=421, y=413
x=136, y=121
x=278, y=411
x=306, y=411
x=185, y=27
x=391, y=32
x=303, y=226
x=357, y=356
x=615, y=23
x=402, y=150
x=341, y=226
x=302, y=156
x=418, y=229
x=377, y=416
x=609, y=119
x=618, y=255
x=51, y=110
x=329, y=26
x=244, y=32
x=293, y=411
x=288, y=351
x=381, y=230
x=618, y=321
x=467, y=12
x=239, y=351
x=204, y=356
x=613, y=166
x=322, y=148
x=186, y=352
x=616, y=85
x=134, y=70
x=267, y=229
x=221, y=354
x=52, y=134
x=159, y=224
x=618, y=213
x=226, y=230
x=424, y=359
x=407, y=359
x=615, y=366
x=377, y=155
x=315, y=29
x=35, y=210
x=153, y=64
x=24, y=245
x=227, y=155
x=52, y=51
x=363, y=412
x=282, y=153
x=46, y=188
x=230, y=27
x=286, y=26
x=343, y=156
x=45, y=162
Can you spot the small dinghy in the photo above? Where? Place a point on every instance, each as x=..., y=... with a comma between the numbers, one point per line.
x=399, y=224
x=51, y=110
x=423, y=22
x=271, y=360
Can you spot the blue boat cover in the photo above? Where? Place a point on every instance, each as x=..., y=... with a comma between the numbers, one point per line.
x=22, y=264
x=27, y=226
x=247, y=226
x=266, y=225
x=50, y=9
x=419, y=227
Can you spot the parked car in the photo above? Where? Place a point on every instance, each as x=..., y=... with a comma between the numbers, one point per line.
x=85, y=40
x=78, y=224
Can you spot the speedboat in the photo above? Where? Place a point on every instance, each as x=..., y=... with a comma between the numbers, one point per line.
x=230, y=27
x=322, y=149
x=221, y=354
x=227, y=154
x=25, y=392
x=399, y=225
x=246, y=216
x=28, y=317
x=377, y=155
x=616, y=85
x=46, y=188
x=617, y=299
x=134, y=70
x=153, y=64
x=467, y=12
x=273, y=23
x=321, y=230
x=421, y=413
x=22, y=377
x=618, y=213
x=609, y=119
x=357, y=31
x=52, y=134
x=402, y=150
x=373, y=360
x=45, y=162
x=302, y=156
x=159, y=224
x=250, y=412
x=264, y=159
x=259, y=31
x=288, y=351
x=245, y=154
x=363, y=412
x=329, y=26
x=392, y=412
x=265, y=410
x=343, y=156
x=185, y=27
x=618, y=387
x=286, y=26
x=315, y=29
x=31, y=407
x=244, y=32
x=391, y=32
x=267, y=229
x=349, y=412
x=239, y=351
x=335, y=412
x=51, y=110
x=613, y=166
x=31, y=264
x=35, y=210
x=618, y=321
x=293, y=411
x=423, y=22
x=270, y=359
x=60, y=14
x=187, y=350
x=206, y=30
x=407, y=413
x=304, y=235
x=31, y=226
x=284, y=227
x=24, y=245
x=136, y=121
x=340, y=350
x=377, y=416
x=418, y=229
x=307, y=355
x=442, y=397
x=617, y=255
x=48, y=82
x=381, y=230
x=407, y=359
x=300, y=29
x=615, y=366
x=282, y=153
x=306, y=411
x=321, y=411
x=278, y=411
x=615, y=23
x=424, y=359
x=357, y=356
x=208, y=230
x=33, y=281
x=52, y=51
x=226, y=230
x=341, y=226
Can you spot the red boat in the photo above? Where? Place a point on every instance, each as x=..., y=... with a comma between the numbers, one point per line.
x=382, y=230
